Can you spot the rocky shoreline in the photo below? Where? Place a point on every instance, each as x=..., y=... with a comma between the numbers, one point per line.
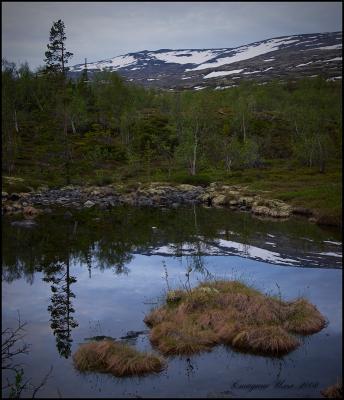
x=148, y=195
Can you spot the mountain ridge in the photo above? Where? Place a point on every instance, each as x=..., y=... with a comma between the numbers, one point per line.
x=282, y=57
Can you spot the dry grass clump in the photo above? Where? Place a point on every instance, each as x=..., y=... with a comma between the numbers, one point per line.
x=334, y=391
x=232, y=313
x=185, y=339
x=116, y=358
x=304, y=318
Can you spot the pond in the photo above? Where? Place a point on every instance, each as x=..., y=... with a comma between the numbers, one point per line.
x=90, y=273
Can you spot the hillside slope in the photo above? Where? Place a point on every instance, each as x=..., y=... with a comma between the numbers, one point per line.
x=286, y=57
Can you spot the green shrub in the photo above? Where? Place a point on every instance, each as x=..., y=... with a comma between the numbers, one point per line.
x=199, y=179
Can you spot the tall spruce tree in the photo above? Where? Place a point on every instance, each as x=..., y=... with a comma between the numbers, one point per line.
x=57, y=56
x=9, y=122
x=56, y=59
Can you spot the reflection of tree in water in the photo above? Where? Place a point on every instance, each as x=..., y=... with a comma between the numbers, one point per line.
x=112, y=238
x=246, y=234
x=113, y=255
x=189, y=368
x=89, y=263
x=196, y=261
x=61, y=310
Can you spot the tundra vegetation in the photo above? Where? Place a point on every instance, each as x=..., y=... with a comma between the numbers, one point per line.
x=230, y=313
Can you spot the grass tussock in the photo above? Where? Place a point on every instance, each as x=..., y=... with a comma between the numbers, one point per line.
x=334, y=391
x=232, y=313
x=116, y=358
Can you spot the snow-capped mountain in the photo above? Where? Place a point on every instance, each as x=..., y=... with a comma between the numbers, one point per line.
x=282, y=58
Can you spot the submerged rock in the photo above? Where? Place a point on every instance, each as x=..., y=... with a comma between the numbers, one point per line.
x=100, y=337
x=134, y=334
x=67, y=215
x=28, y=223
x=302, y=211
x=328, y=220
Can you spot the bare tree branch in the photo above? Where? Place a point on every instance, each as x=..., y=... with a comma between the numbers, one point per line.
x=10, y=348
x=10, y=339
x=43, y=382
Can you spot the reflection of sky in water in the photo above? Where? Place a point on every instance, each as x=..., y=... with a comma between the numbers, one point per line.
x=110, y=304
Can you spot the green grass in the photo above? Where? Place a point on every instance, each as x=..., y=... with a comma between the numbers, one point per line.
x=298, y=186
x=279, y=179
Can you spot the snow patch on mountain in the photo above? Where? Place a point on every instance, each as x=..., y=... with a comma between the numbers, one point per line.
x=222, y=73
x=335, y=78
x=225, y=87
x=185, y=56
x=302, y=65
x=251, y=72
x=115, y=63
x=334, y=59
x=333, y=47
x=246, y=52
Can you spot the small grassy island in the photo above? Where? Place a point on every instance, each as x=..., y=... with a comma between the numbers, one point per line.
x=195, y=320
x=116, y=358
x=232, y=313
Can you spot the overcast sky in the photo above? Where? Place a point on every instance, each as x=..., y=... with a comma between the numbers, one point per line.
x=100, y=30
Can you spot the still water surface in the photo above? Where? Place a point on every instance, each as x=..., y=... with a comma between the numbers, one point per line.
x=109, y=268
